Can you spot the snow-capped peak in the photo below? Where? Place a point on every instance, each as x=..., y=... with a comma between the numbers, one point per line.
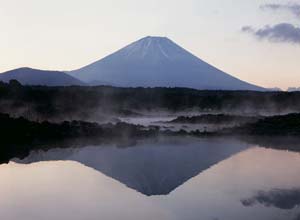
x=154, y=48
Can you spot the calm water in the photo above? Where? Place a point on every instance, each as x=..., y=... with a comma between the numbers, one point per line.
x=161, y=122
x=165, y=179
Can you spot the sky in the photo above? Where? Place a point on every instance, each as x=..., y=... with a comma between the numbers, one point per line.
x=255, y=40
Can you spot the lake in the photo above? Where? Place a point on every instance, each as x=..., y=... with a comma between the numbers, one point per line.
x=166, y=178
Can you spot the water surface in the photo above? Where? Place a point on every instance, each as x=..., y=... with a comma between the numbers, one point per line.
x=177, y=178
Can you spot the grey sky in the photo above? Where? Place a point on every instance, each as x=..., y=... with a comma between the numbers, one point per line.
x=68, y=34
x=289, y=7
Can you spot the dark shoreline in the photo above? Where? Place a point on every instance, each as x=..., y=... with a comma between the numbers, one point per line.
x=19, y=136
x=88, y=103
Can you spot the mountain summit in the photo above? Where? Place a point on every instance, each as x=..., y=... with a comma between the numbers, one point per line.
x=158, y=62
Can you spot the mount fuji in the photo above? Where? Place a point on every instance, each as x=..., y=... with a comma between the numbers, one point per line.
x=158, y=62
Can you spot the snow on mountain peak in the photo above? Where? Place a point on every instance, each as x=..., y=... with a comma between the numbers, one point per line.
x=154, y=49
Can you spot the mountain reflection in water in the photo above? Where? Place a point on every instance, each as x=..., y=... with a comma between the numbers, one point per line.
x=152, y=167
x=192, y=179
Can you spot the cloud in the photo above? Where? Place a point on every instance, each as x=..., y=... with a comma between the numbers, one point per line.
x=279, y=198
x=283, y=32
x=292, y=8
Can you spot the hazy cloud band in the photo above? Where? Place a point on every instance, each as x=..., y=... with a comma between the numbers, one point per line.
x=283, y=32
x=292, y=8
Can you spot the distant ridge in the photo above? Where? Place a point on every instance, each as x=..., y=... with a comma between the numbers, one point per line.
x=159, y=62
x=29, y=76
